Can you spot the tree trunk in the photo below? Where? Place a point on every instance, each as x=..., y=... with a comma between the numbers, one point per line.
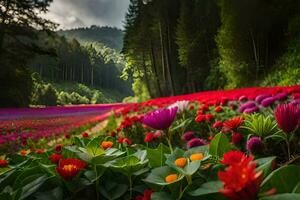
x=168, y=61
x=162, y=53
x=146, y=76
x=154, y=67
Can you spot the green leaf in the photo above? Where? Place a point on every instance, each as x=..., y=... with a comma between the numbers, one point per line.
x=283, y=179
x=190, y=167
x=160, y=196
x=158, y=175
x=211, y=187
x=157, y=156
x=112, y=190
x=297, y=189
x=219, y=145
x=130, y=164
x=55, y=194
x=32, y=187
x=265, y=165
x=288, y=196
x=93, y=147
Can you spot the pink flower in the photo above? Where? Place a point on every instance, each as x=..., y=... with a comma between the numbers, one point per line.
x=287, y=117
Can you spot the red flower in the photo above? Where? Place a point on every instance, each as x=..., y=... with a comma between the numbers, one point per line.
x=85, y=135
x=58, y=147
x=147, y=195
x=232, y=157
x=127, y=141
x=70, y=167
x=55, y=158
x=113, y=134
x=149, y=137
x=3, y=163
x=233, y=123
x=67, y=136
x=120, y=140
x=236, y=138
x=218, y=109
x=209, y=117
x=191, y=107
x=40, y=151
x=200, y=118
x=217, y=124
x=240, y=179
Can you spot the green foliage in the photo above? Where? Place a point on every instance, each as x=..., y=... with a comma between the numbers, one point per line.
x=260, y=125
x=140, y=90
x=219, y=145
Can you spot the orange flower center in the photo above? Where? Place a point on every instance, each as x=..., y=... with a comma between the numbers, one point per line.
x=180, y=162
x=196, y=156
x=106, y=144
x=70, y=168
x=171, y=178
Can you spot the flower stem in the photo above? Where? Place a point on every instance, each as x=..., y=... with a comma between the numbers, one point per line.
x=169, y=140
x=130, y=186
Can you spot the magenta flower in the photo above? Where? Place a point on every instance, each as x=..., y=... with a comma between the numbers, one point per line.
x=261, y=97
x=281, y=96
x=249, y=104
x=188, y=136
x=195, y=143
x=254, y=145
x=287, y=116
x=251, y=110
x=160, y=119
x=268, y=101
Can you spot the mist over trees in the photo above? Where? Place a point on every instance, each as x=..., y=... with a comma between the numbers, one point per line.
x=183, y=46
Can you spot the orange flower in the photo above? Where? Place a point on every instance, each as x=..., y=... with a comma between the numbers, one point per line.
x=24, y=152
x=196, y=156
x=171, y=178
x=107, y=144
x=70, y=167
x=180, y=162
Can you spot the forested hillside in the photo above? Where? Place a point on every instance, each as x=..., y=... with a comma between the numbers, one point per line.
x=41, y=67
x=109, y=36
x=174, y=46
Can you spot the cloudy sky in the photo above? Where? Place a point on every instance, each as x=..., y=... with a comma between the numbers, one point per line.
x=79, y=13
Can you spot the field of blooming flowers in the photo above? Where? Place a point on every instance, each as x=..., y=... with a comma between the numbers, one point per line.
x=239, y=144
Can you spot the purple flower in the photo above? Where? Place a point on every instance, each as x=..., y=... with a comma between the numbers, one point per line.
x=287, y=116
x=261, y=97
x=188, y=136
x=160, y=119
x=249, y=104
x=254, y=145
x=281, y=96
x=195, y=143
x=268, y=101
x=251, y=110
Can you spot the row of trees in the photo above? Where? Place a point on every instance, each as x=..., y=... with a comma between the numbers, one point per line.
x=93, y=64
x=181, y=46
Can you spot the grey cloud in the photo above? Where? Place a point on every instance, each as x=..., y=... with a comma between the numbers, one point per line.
x=78, y=13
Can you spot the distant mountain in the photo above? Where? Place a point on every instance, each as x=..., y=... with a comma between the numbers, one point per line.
x=110, y=37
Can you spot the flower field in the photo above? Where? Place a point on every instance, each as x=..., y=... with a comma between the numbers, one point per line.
x=239, y=144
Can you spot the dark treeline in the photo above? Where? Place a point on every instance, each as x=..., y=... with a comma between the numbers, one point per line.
x=109, y=36
x=183, y=46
